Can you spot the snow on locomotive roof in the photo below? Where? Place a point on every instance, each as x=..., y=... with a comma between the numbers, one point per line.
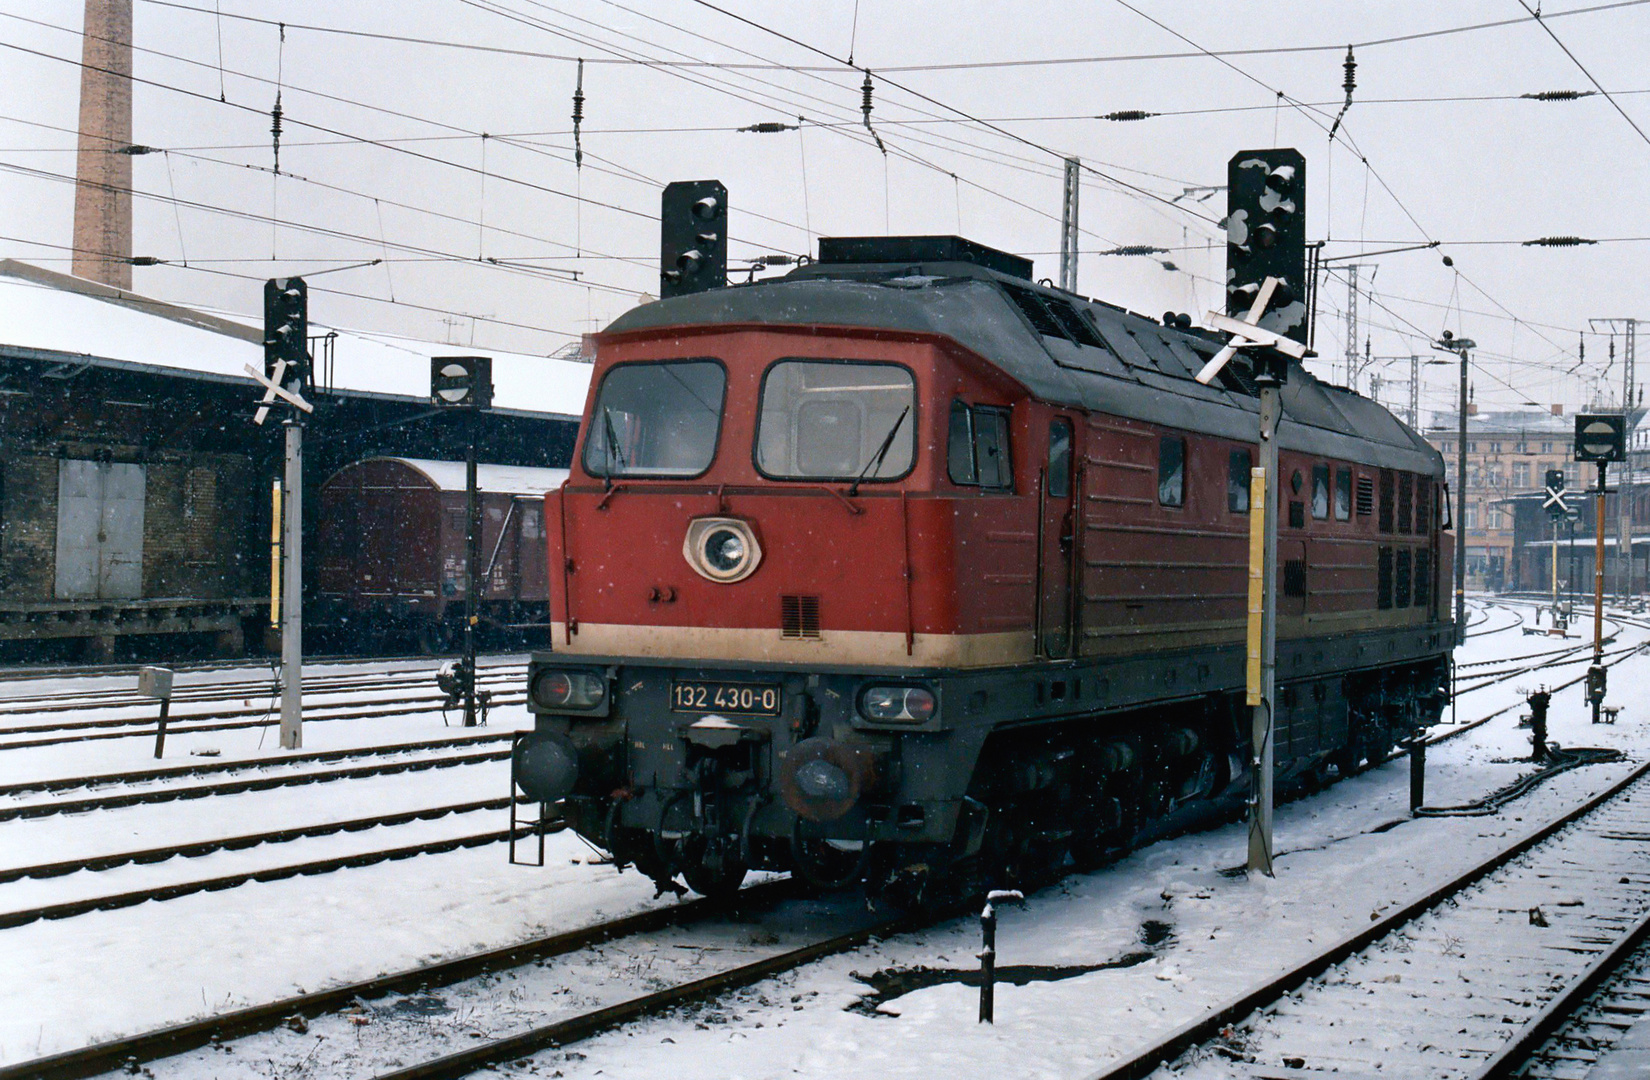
x=57, y=313
x=497, y=479
x=1061, y=347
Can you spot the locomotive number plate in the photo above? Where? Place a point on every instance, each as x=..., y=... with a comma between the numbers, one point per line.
x=746, y=699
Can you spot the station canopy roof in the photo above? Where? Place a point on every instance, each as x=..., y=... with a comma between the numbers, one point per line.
x=500, y=479
x=41, y=310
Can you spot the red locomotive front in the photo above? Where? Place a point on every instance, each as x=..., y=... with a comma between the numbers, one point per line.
x=853, y=576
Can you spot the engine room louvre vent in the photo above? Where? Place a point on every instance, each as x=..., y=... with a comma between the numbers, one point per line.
x=1053, y=316
x=1366, y=496
x=799, y=617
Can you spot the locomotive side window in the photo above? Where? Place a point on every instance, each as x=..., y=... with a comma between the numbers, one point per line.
x=1059, y=459
x=1171, y=470
x=656, y=419
x=977, y=454
x=1343, y=494
x=1320, y=492
x=1238, y=465
x=830, y=420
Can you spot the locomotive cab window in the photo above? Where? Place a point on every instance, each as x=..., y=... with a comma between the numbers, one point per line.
x=1171, y=471
x=1343, y=494
x=1238, y=465
x=1320, y=492
x=977, y=454
x=833, y=420
x=656, y=419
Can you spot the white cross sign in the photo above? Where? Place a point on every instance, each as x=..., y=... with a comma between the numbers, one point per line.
x=273, y=389
x=1555, y=501
x=1246, y=331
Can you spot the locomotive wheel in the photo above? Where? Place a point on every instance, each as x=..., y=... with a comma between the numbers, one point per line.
x=824, y=865
x=717, y=882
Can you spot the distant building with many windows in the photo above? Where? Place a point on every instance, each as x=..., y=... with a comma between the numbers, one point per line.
x=1508, y=532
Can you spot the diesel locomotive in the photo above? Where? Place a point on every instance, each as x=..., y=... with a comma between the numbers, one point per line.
x=904, y=569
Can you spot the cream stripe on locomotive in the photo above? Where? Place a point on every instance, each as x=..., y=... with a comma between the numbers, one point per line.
x=887, y=648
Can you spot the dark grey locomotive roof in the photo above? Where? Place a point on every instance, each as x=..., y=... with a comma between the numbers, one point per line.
x=1062, y=347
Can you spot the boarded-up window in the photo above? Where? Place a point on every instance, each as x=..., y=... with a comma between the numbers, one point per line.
x=99, y=530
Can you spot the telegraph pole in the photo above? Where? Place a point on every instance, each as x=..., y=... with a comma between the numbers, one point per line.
x=1462, y=347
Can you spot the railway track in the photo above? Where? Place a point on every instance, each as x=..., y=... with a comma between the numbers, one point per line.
x=104, y=671
x=173, y=793
x=566, y=1026
x=120, y=698
x=1451, y=982
x=210, y=768
x=409, y=706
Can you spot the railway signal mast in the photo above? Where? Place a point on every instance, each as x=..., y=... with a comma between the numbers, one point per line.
x=465, y=384
x=285, y=377
x=1266, y=316
x=1558, y=509
x=1600, y=438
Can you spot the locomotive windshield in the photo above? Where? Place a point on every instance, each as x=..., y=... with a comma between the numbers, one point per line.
x=656, y=419
x=833, y=420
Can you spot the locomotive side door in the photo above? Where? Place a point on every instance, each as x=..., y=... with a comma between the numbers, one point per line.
x=1057, y=541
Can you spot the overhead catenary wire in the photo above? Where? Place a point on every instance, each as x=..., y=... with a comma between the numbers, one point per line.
x=973, y=65
x=1535, y=13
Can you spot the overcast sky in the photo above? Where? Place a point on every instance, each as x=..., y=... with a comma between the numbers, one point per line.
x=383, y=141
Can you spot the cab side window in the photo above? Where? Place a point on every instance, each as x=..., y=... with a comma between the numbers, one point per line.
x=1171, y=471
x=977, y=451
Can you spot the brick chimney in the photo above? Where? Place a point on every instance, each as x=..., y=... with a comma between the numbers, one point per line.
x=103, y=179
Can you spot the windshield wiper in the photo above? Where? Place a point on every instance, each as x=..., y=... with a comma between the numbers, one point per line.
x=882, y=452
x=613, y=451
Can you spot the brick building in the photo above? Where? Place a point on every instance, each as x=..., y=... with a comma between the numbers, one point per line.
x=1508, y=453
x=135, y=491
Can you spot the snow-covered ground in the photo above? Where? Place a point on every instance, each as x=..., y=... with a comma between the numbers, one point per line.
x=1129, y=952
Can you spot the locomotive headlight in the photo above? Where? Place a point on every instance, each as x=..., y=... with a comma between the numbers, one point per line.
x=567, y=689
x=910, y=704
x=722, y=549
